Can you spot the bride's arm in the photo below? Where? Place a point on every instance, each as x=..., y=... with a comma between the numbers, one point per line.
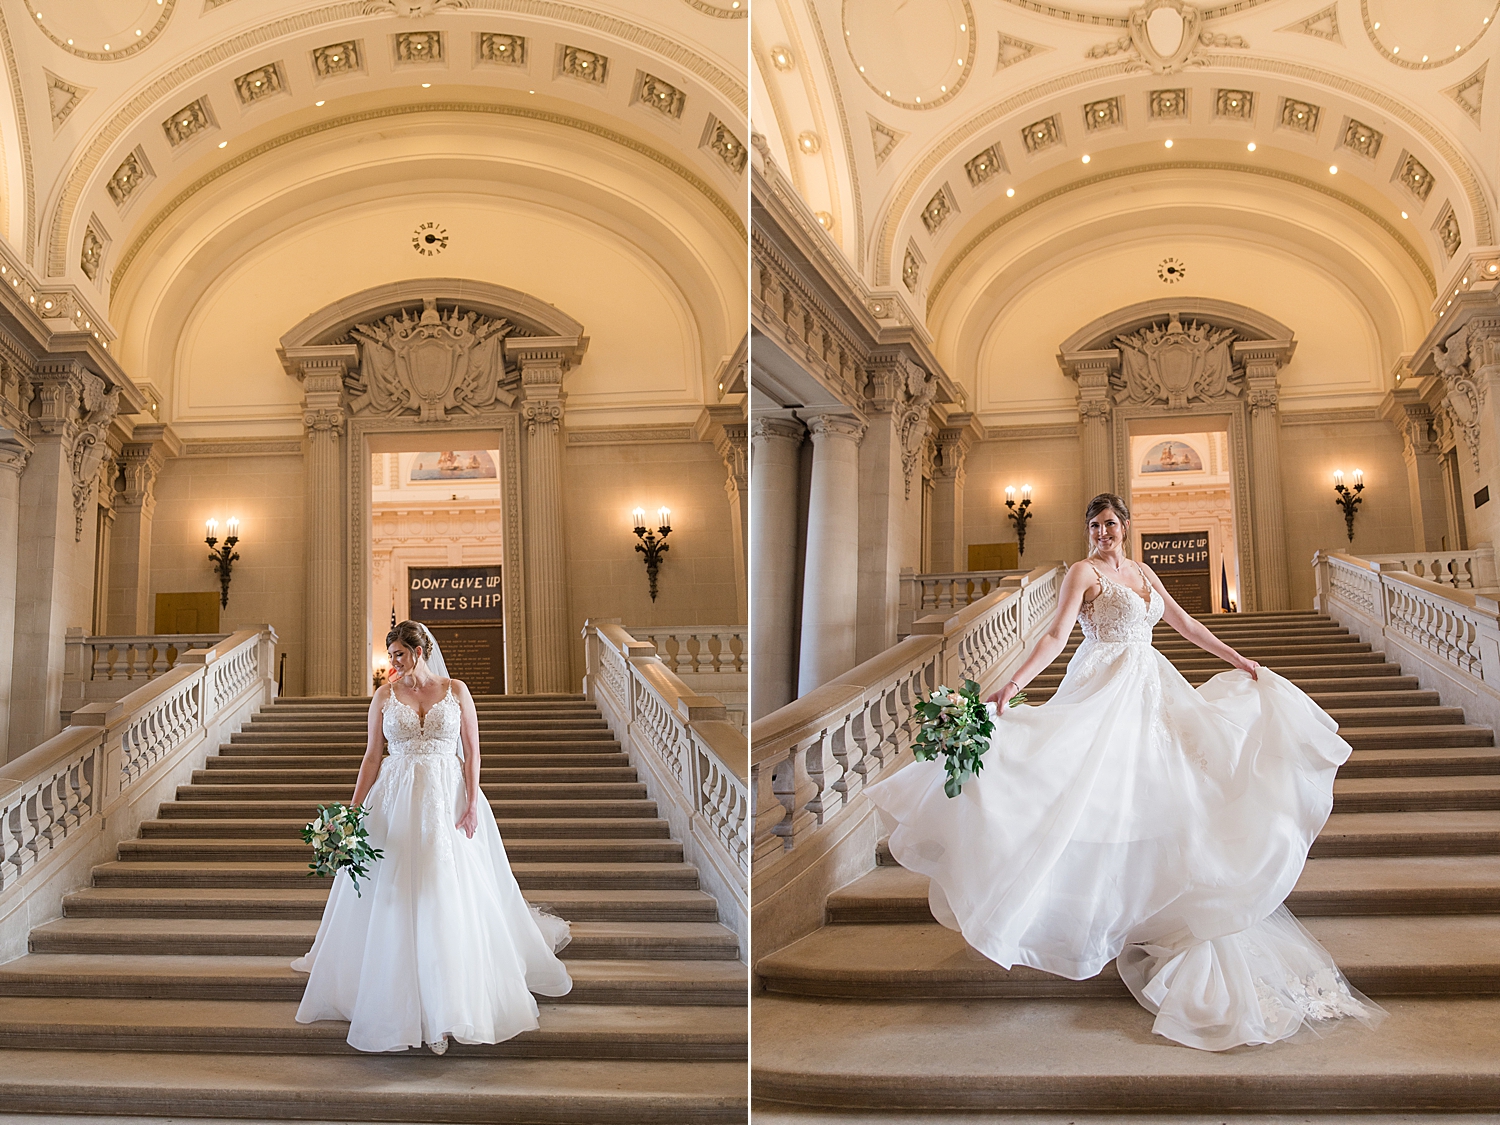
x=1076, y=583
x=1195, y=631
x=469, y=733
x=369, y=767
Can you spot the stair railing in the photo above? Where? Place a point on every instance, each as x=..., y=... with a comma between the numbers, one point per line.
x=925, y=594
x=814, y=757
x=1462, y=570
x=1448, y=638
x=692, y=759
x=687, y=650
x=78, y=793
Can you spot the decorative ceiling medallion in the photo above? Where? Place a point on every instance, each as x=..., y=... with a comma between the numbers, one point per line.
x=408, y=47
x=1103, y=114
x=1171, y=270
x=62, y=98
x=260, y=83
x=985, y=165
x=133, y=171
x=938, y=208
x=1168, y=104
x=1413, y=175
x=1013, y=50
x=95, y=241
x=429, y=239
x=1359, y=137
x=76, y=27
x=1447, y=230
x=188, y=122
x=586, y=66
x=1041, y=135
x=1238, y=104
x=337, y=58
x=659, y=94
x=494, y=47
x=1321, y=25
x=916, y=54
x=1165, y=35
x=884, y=138
x=728, y=10
x=1300, y=116
x=720, y=140
x=1469, y=94
x=1420, y=54
x=911, y=269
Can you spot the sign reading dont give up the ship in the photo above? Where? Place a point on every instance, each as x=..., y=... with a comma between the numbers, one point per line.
x=454, y=593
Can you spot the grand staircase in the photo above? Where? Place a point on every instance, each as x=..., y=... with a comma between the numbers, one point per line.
x=165, y=989
x=884, y=1011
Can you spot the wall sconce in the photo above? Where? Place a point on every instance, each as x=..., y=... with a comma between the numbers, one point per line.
x=1019, y=514
x=223, y=557
x=1349, y=499
x=382, y=669
x=653, y=544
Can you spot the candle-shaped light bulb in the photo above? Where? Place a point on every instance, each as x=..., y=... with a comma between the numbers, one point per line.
x=1026, y=492
x=1010, y=493
x=234, y=526
x=664, y=518
x=1338, y=478
x=213, y=527
x=639, y=515
x=1359, y=476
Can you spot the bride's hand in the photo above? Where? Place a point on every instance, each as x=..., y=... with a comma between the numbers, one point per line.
x=469, y=821
x=1250, y=666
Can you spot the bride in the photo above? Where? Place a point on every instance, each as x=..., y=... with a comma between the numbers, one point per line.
x=1134, y=818
x=438, y=941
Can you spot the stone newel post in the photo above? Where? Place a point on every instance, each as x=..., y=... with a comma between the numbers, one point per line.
x=1262, y=359
x=322, y=371
x=544, y=361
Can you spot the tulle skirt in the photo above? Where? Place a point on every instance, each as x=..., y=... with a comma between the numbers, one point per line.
x=438, y=940
x=1134, y=817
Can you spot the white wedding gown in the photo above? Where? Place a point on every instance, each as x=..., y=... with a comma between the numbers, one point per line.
x=438, y=941
x=1132, y=817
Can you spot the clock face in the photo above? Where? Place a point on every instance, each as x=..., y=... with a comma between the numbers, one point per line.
x=1171, y=270
x=429, y=239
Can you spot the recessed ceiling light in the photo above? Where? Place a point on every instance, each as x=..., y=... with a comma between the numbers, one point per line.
x=318, y=103
x=963, y=27
x=1251, y=146
x=1086, y=158
x=1010, y=191
x=1377, y=25
x=960, y=62
x=426, y=85
x=137, y=31
x=1333, y=169
x=1168, y=143
x=1424, y=58
x=1404, y=215
x=1395, y=50
x=223, y=144
x=944, y=89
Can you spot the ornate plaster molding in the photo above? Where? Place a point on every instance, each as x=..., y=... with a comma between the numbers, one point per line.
x=430, y=363
x=133, y=47
x=650, y=434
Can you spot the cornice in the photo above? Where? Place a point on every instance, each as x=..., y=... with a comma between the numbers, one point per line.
x=1177, y=166
x=103, y=139
x=385, y=112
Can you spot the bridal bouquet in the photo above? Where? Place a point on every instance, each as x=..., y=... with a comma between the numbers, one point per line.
x=957, y=725
x=339, y=840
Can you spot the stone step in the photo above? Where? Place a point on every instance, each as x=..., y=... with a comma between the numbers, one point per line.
x=1464, y=884
x=1409, y=833
x=568, y=1031
x=1361, y=669
x=1100, y=1056
x=352, y=758
x=305, y=808
x=488, y=748
x=329, y=792
x=1395, y=716
x=290, y=828
x=292, y=937
x=249, y=737
x=306, y=901
x=1381, y=956
x=531, y=876
x=483, y=710
x=1367, y=737
x=603, y=852
x=1416, y=794
x=181, y=977
x=1418, y=762
x=1361, y=689
x=520, y=698
x=415, y=1086
x=488, y=775
x=584, y=728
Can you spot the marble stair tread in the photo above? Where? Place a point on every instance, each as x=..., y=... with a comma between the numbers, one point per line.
x=1379, y=885
x=243, y=977
x=1359, y=689
x=1417, y=761
x=290, y=828
x=329, y=792
x=488, y=748
x=1387, y=955
x=324, y=759
x=699, y=1031
x=503, y=808
x=1415, y=794
x=399, y=1087
x=1430, y=1054
x=292, y=937
x=1368, y=737
x=346, y=774
x=162, y=873
x=1448, y=832
x=307, y=901
x=1427, y=715
x=518, y=850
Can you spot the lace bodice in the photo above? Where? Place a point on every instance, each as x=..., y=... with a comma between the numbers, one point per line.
x=435, y=733
x=1119, y=615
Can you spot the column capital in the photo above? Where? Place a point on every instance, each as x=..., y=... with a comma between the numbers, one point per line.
x=1261, y=359
x=780, y=425
x=142, y=460
x=545, y=359
x=835, y=423
x=15, y=450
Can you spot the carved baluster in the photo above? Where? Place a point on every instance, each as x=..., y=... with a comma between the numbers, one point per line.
x=10, y=845
x=40, y=812
x=770, y=810
x=705, y=652
x=103, y=669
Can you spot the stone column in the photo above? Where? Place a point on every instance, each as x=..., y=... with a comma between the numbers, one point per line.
x=322, y=371
x=953, y=443
x=544, y=362
x=1092, y=371
x=830, y=584
x=775, y=442
x=1413, y=419
x=15, y=451
x=143, y=458
x=1268, y=509
x=725, y=425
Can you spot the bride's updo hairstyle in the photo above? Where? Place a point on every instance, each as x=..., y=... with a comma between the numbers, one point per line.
x=1103, y=503
x=412, y=635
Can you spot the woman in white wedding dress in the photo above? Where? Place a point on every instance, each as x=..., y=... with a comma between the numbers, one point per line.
x=438, y=940
x=1133, y=818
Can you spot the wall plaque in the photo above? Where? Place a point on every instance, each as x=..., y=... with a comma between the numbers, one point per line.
x=1180, y=559
x=454, y=594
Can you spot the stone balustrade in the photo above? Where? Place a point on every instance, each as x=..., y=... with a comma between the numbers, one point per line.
x=1463, y=570
x=66, y=805
x=686, y=650
x=925, y=594
x=692, y=759
x=811, y=760
x=103, y=668
x=1448, y=638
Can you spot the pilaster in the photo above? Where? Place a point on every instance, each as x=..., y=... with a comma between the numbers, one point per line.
x=141, y=461
x=322, y=371
x=1262, y=360
x=15, y=451
x=1092, y=371
x=1413, y=419
x=726, y=426
x=954, y=440
x=775, y=444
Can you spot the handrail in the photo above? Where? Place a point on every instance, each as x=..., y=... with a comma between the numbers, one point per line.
x=1462, y=570
x=130, y=658
x=689, y=649
x=812, y=757
x=83, y=772
x=695, y=759
x=925, y=594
